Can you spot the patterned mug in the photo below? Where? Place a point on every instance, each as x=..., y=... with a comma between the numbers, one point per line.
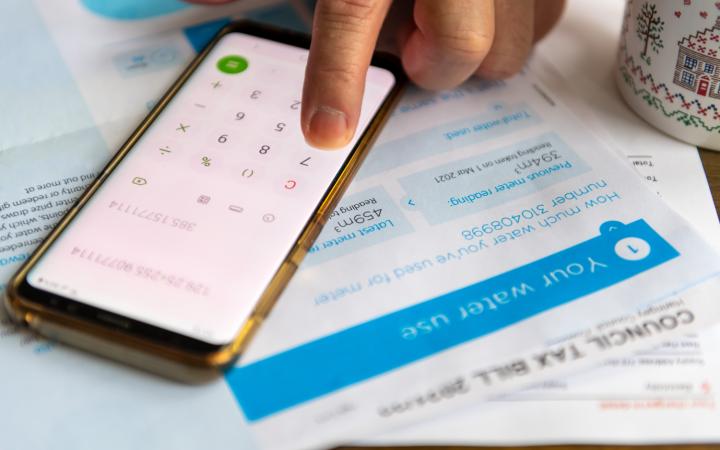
x=669, y=67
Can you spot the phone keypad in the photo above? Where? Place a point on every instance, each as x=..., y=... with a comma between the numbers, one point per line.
x=242, y=132
x=255, y=143
x=216, y=190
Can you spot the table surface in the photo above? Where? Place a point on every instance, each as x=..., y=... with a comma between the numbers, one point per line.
x=711, y=163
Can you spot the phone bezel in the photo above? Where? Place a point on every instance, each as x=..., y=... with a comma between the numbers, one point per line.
x=33, y=305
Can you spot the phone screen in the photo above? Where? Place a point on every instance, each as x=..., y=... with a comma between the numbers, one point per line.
x=190, y=228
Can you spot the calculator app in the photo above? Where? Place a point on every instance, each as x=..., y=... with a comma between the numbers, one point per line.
x=190, y=228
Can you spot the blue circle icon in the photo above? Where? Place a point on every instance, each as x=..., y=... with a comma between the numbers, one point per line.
x=632, y=249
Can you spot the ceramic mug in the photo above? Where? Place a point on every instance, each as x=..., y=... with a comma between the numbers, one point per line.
x=669, y=67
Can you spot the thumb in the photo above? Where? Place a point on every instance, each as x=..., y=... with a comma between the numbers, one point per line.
x=344, y=36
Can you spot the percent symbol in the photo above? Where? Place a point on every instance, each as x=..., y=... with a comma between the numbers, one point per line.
x=206, y=161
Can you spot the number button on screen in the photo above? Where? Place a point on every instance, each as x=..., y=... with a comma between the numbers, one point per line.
x=281, y=128
x=304, y=162
x=265, y=149
x=240, y=117
x=222, y=139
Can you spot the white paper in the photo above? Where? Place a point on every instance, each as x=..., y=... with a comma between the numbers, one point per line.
x=662, y=396
x=573, y=412
x=353, y=279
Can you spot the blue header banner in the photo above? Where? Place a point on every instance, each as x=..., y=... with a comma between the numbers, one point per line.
x=392, y=341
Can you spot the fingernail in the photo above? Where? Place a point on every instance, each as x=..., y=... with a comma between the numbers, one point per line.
x=328, y=128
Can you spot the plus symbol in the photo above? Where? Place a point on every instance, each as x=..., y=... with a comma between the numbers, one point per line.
x=182, y=127
x=216, y=85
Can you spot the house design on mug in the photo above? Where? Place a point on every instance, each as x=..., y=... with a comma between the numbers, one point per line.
x=697, y=64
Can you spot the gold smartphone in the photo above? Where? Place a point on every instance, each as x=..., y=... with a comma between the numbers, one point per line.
x=173, y=258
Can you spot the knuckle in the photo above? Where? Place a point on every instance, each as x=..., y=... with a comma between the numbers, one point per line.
x=468, y=45
x=456, y=38
x=347, y=15
x=345, y=72
x=344, y=30
x=520, y=38
x=509, y=51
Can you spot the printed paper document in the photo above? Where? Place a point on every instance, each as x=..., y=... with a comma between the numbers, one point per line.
x=452, y=201
x=68, y=148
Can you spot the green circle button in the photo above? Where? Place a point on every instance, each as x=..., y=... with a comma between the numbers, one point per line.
x=232, y=64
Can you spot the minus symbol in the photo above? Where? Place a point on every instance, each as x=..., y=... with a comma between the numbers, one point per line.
x=201, y=106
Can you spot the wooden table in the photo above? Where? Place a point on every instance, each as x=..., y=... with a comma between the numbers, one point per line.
x=711, y=162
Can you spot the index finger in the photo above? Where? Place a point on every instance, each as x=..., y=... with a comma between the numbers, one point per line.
x=344, y=36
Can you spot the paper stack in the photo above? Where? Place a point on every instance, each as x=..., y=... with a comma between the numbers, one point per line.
x=519, y=281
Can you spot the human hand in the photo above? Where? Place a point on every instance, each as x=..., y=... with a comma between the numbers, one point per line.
x=443, y=44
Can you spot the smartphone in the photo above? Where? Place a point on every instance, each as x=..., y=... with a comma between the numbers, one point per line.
x=174, y=256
